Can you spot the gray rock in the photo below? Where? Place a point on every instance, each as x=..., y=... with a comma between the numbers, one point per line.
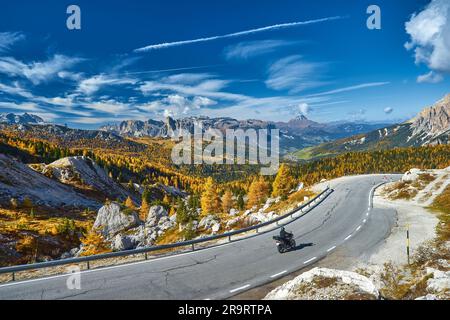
x=123, y=243
x=111, y=220
x=155, y=214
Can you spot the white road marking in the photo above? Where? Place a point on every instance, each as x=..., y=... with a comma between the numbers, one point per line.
x=111, y=267
x=359, y=228
x=310, y=260
x=348, y=237
x=240, y=288
x=365, y=220
x=331, y=249
x=367, y=214
x=278, y=274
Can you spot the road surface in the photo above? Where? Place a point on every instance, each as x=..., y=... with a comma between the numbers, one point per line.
x=223, y=271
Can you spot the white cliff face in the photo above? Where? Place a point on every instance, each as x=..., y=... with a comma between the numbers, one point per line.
x=112, y=219
x=324, y=284
x=434, y=120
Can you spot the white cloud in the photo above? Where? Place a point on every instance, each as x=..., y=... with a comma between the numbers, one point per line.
x=293, y=74
x=186, y=86
x=25, y=106
x=235, y=34
x=92, y=85
x=8, y=39
x=37, y=72
x=388, y=110
x=16, y=89
x=430, y=36
x=248, y=49
x=304, y=108
x=430, y=77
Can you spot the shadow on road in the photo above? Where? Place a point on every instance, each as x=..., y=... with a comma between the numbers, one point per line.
x=302, y=245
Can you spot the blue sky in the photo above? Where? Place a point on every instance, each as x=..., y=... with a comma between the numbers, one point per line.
x=269, y=60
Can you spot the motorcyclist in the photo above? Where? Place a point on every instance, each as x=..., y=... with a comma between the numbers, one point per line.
x=284, y=234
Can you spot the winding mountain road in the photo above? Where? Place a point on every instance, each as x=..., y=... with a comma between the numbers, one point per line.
x=346, y=216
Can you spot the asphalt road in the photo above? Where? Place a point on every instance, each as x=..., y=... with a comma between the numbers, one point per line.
x=220, y=272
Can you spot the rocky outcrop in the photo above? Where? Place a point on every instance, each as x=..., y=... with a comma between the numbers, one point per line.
x=112, y=219
x=326, y=284
x=433, y=121
x=210, y=222
x=85, y=173
x=439, y=284
x=19, y=181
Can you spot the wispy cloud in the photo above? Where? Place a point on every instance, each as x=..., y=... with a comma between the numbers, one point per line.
x=235, y=34
x=350, y=88
x=294, y=74
x=91, y=85
x=8, y=39
x=37, y=72
x=248, y=49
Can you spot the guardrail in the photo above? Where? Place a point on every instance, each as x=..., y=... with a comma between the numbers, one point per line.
x=308, y=206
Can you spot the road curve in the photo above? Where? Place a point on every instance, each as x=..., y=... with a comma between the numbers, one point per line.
x=223, y=271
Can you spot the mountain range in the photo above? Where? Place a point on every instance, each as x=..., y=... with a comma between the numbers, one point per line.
x=298, y=133
x=11, y=118
x=431, y=126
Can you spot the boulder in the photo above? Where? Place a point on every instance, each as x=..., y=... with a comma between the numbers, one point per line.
x=123, y=243
x=155, y=214
x=112, y=219
x=210, y=222
x=440, y=283
x=326, y=284
x=411, y=175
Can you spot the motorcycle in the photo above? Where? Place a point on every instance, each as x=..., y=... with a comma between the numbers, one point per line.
x=285, y=244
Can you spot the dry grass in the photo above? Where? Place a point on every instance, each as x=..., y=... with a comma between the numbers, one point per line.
x=292, y=201
x=39, y=233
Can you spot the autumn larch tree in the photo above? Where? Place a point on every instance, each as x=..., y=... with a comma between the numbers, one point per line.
x=227, y=201
x=258, y=192
x=210, y=202
x=283, y=182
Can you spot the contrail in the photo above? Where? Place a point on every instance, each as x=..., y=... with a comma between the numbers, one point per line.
x=235, y=34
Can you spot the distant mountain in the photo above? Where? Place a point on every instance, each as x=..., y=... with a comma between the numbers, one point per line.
x=295, y=134
x=430, y=127
x=11, y=118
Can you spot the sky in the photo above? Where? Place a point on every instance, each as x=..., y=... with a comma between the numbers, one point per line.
x=269, y=60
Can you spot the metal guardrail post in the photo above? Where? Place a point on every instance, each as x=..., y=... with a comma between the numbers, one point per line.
x=229, y=238
x=13, y=276
x=193, y=248
x=146, y=256
x=88, y=265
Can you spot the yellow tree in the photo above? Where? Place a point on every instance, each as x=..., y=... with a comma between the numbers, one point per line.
x=94, y=243
x=129, y=203
x=209, y=200
x=258, y=192
x=283, y=182
x=145, y=207
x=227, y=201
